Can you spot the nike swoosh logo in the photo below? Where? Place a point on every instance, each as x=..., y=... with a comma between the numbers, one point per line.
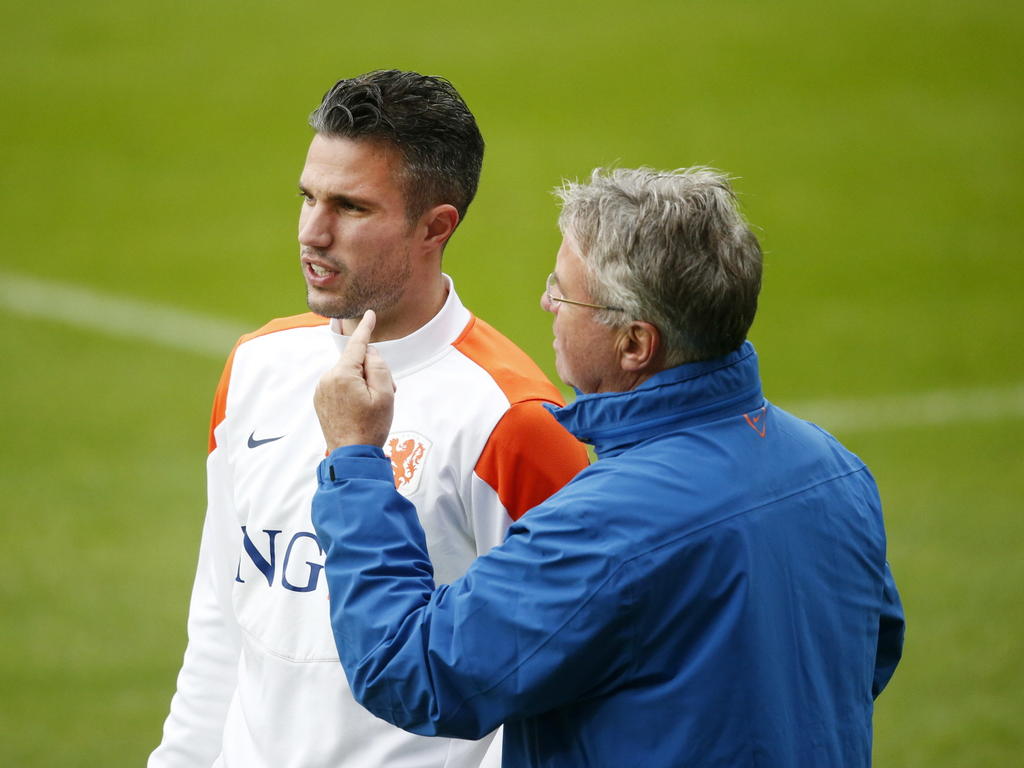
x=253, y=443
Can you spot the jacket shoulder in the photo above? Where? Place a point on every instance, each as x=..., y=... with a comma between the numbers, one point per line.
x=304, y=320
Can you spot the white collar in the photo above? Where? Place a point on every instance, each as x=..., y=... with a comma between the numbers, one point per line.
x=411, y=352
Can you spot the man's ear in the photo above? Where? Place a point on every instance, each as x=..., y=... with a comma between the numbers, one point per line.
x=439, y=222
x=640, y=348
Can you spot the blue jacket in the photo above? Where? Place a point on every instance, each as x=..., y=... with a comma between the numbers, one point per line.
x=712, y=592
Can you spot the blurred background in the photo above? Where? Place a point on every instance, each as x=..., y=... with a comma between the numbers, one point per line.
x=149, y=153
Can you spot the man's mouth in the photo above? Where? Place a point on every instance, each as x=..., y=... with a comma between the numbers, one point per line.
x=318, y=275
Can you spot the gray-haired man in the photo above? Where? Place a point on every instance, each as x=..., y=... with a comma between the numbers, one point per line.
x=712, y=592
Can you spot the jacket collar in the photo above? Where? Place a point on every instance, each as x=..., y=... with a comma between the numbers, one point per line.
x=678, y=397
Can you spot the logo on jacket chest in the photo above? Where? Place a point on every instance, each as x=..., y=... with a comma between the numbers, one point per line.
x=408, y=452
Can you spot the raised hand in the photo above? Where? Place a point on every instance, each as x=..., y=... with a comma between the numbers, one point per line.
x=355, y=400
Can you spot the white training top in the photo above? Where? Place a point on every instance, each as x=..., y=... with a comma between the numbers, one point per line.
x=261, y=685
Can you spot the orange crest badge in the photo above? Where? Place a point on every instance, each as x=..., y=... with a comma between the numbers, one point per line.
x=407, y=451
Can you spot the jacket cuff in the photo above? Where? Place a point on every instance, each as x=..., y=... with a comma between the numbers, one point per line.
x=354, y=461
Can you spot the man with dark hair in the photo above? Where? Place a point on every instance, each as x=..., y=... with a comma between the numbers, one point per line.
x=425, y=119
x=390, y=172
x=713, y=591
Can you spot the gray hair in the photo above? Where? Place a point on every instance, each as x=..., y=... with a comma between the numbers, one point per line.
x=670, y=248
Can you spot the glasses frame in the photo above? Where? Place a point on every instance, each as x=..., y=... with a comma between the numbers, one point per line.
x=555, y=300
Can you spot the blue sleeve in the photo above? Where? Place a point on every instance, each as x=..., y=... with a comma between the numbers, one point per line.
x=891, y=627
x=502, y=642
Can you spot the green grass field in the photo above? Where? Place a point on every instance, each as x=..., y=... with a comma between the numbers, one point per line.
x=149, y=152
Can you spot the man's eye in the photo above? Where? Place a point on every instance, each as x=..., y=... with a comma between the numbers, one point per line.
x=306, y=197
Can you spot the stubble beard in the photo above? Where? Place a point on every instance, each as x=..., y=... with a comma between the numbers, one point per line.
x=379, y=289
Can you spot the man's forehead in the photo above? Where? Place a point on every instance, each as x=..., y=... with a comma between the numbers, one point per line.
x=568, y=258
x=339, y=161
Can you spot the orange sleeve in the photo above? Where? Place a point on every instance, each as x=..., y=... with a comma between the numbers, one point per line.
x=220, y=398
x=528, y=457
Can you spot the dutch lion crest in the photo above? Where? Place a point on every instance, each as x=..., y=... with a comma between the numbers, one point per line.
x=407, y=450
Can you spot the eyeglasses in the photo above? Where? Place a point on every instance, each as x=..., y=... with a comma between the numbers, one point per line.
x=555, y=297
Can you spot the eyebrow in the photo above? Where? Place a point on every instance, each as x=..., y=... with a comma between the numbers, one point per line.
x=336, y=199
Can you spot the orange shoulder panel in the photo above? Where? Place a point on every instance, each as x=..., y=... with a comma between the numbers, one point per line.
x=528, y=457
x=220, y=399
x=511, y=368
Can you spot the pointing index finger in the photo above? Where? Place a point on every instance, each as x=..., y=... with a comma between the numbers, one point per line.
x=355, y=350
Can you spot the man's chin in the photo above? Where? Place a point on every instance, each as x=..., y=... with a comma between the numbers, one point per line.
x=563, y=376
x=325, y=306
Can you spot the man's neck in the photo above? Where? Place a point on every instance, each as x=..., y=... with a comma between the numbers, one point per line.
x=410, y=314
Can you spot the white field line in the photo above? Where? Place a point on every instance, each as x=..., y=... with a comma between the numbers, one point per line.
x=937, y=407
x=84, y=308
x=211, y=336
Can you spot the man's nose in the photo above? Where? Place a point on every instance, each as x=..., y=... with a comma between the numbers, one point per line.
x=314, y=230
x=547, y=304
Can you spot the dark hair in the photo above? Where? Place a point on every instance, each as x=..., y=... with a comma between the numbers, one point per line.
x=425, y=118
